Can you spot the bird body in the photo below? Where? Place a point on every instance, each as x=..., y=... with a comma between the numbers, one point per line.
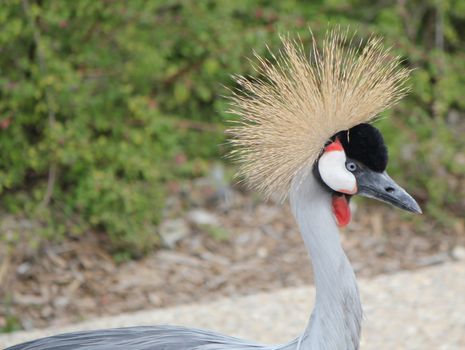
x=334, y=323
x=302, y=135
x=140, y=338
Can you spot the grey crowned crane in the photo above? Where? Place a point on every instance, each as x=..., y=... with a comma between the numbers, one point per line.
x=303, y=133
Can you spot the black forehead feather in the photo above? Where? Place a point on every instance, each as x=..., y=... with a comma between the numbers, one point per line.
x=365, y=144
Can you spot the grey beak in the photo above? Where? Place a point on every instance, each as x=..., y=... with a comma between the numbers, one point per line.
x=380, y=186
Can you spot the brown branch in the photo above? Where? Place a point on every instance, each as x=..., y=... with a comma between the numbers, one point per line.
x=439, y=44
x=183, y=71
x=4, y=264
x=408, y=23
x=197, y=125
x=52, y=173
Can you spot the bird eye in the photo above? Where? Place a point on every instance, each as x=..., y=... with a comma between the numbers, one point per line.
x=351, y=166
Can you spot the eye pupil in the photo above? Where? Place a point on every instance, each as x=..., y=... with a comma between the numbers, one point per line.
x=351, y=166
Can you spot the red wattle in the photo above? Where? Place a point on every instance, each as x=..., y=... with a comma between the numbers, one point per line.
x=341, y=210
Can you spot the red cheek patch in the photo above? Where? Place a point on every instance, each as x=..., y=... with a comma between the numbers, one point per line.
x=334, y=146
x=341, y=210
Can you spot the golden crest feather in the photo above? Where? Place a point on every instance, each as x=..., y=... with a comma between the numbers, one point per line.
x=299, y=102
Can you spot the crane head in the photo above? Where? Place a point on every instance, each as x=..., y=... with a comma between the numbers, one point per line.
x=305, y=114
x=354, y=162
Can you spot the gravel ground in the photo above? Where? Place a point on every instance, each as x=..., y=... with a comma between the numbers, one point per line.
x=422, y=309
x=250, y=248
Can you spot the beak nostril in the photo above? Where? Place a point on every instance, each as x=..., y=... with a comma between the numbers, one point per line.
x=390, y=189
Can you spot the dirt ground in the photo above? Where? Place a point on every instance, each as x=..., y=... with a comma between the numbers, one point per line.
x=216, y=243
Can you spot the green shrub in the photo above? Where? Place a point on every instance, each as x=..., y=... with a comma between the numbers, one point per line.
x=99, y=99
x=88, y=94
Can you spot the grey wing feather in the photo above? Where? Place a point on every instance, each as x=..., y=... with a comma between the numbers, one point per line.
x=140, y=338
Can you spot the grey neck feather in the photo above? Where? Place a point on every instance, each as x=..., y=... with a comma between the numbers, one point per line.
x=337, y=314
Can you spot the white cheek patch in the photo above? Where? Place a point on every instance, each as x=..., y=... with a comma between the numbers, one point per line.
x=332, y=168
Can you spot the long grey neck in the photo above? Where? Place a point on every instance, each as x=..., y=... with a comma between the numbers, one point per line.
x=337, y=314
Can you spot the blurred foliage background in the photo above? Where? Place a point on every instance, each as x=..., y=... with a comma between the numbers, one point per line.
x=103, y=102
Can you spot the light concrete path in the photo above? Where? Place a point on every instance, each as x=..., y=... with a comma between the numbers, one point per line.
x=423, y=309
